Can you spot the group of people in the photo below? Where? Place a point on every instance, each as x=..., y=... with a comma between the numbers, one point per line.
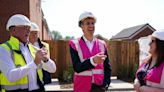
x=91, y=62
x=24, y=58
x=25, y=61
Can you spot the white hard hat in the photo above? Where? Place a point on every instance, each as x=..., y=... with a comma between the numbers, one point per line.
x=159, y=34
x=85, y=15
x=18, y=20
x=34, y=27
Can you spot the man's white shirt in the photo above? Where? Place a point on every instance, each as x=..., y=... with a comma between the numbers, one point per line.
x=90, y=47
x=7, y=66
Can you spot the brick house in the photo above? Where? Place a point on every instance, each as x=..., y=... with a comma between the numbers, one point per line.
x=30, y=8
x=133, y=33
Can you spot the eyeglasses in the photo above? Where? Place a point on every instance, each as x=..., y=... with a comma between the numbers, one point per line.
x=89, y=23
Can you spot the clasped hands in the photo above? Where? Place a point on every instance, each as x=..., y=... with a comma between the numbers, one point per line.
x=41, y=55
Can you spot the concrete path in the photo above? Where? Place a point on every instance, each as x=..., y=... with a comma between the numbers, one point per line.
x=116, y=86
x=55, y=87
x=120, y=86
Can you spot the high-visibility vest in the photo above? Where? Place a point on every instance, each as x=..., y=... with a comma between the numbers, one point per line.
x=19, y=61
x=154, y=76
x=84, y=80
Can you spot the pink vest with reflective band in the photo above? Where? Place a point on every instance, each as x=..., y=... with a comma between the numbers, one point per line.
x=84, y=80
x=155, y=77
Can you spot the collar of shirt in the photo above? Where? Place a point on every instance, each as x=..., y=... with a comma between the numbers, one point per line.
x=22, y=45
x=89, y=43
x=85, y=39
x=25, y=52
x=36, y=44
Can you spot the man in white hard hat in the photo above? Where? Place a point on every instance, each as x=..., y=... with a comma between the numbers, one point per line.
x=35, y=41
x=90, y=58
x=20, y=62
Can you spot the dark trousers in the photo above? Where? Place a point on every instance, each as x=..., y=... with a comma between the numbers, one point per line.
x=96, y=88
x=26, y=90
x=46, y=77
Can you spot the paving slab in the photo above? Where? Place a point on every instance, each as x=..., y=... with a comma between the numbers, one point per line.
x=55, y=87
x=115, y=86
x=119, y=85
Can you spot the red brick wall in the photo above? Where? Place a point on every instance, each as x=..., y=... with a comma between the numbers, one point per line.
x=7, y=9
x=29, y=8
x=46, y=35
x=36, y=14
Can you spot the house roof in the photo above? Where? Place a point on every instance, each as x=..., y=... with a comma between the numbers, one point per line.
x=128, y=32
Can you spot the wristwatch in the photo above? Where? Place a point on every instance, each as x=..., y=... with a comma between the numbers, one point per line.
x=46, y=60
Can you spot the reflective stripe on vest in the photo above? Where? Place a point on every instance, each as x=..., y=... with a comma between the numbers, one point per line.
x=33, y=52
x=89, y=72
x=15, y=87
x=79, y=50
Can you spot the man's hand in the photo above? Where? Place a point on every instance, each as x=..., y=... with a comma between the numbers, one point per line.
x=99, y=58
x=45, y=57
x=41, y=54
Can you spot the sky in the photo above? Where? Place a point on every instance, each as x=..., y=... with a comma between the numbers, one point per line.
x=112, y=15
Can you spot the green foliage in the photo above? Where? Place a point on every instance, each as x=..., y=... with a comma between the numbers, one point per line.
x=127, y=74
x=135, y=67
x=68, y=75
x=56, y=35
x=69, y=37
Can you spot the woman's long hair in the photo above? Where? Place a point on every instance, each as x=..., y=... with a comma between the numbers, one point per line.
x=160, y=51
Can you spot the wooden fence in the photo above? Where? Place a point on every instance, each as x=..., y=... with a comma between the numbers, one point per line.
x=124, y=57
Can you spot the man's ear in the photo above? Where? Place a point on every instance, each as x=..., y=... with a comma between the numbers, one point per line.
x=12, y=30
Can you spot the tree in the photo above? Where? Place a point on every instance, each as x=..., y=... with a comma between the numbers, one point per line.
x=69, y=37
x=56, y=35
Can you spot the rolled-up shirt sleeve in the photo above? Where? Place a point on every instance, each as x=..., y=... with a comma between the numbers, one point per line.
x=49, y=66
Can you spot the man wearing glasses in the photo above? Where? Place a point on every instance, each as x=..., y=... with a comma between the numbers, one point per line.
x=20, y=63
x=90, y=58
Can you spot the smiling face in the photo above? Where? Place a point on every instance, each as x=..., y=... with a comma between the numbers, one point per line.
x=33, y=36
x=21, y=33
x=88, y=26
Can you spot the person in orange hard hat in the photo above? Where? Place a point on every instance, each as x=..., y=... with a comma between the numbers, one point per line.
x=90, y=58
x=35, y=41
x=20, y=63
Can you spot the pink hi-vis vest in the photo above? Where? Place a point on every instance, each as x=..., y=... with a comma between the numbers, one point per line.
x=83, y=80
x=155, y=76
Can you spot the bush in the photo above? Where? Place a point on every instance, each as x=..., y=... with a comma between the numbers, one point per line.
x=68, y=75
